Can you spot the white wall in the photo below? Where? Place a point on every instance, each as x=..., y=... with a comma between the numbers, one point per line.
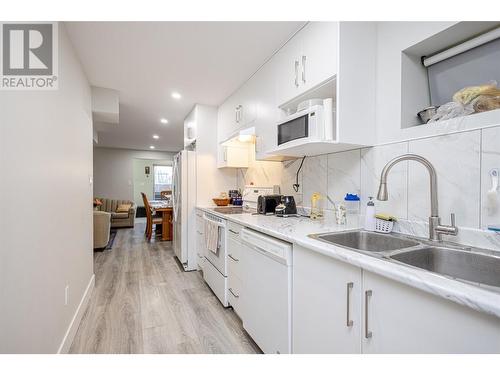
x=462, y=161
x=46, y=219
x=114, y=170
x=210, y=181
x=105, y=104
x=260, y=173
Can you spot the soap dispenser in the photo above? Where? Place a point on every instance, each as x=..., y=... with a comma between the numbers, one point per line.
x=370, y=215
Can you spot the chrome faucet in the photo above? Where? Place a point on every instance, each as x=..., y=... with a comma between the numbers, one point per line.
x=435, y=227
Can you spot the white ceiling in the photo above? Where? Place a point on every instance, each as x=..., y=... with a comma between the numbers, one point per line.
x=146, y=61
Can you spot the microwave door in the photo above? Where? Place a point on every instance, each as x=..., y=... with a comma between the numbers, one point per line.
x=294, y=129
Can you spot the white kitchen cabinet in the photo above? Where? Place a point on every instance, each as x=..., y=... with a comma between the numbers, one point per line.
x=246, y=110
x=234, y=265
x=318, y=59
x=387, y=316
x=226, y=119
x=234, y=155
x=287, y=62
x=308, y=59
x=267, y=111
x=402, y=319
x=237, y=112
x=200, y=239
x=323, y=60
x=326, y=304
x=190, y=128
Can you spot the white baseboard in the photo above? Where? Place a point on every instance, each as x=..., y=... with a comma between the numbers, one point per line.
x=75, y=322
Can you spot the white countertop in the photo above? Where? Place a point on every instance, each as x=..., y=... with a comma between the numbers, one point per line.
x=297, y=229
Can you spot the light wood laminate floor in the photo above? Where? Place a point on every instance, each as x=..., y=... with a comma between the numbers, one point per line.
x=144, y=303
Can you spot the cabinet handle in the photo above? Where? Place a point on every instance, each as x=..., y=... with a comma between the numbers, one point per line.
x=234, y=232
x=349, y=322
x=233, y=258
x=236, y=114
x=235, y=295
x=303, y=69
x=296, y=73
x=199, y=232
x=368, y=333
x=225, y=153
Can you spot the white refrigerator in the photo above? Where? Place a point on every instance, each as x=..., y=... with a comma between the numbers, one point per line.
x=184, y=203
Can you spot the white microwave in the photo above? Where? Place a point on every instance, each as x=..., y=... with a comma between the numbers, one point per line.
x=309, y=125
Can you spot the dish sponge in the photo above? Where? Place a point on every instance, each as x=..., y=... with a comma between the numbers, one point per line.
x=386, y=217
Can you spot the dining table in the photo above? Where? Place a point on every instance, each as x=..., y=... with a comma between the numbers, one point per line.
x=166, y=210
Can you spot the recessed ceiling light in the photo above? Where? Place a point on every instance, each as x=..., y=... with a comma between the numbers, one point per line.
x=164, y=121
x=176, y=95
x=152, y=147
x=156, y=136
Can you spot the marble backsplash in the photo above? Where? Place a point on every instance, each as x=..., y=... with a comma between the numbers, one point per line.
x=462, y=161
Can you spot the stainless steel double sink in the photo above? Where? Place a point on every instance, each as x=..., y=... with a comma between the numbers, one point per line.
x=477, y=266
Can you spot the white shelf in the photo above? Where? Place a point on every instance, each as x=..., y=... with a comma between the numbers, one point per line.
x=326, y=89
x=313, y=148
x=455, y=125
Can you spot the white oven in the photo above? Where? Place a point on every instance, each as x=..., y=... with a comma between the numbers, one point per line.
x=215, y=268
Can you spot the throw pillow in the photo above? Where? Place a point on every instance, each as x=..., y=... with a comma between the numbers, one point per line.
x=123, y=207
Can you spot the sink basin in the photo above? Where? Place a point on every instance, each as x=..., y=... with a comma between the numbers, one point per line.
x=366, y=241
x=459, y=264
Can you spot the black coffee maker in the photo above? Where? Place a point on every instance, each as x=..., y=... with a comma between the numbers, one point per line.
x=287, y=207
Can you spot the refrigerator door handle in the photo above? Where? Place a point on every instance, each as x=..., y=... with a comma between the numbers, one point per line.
x=175, y=187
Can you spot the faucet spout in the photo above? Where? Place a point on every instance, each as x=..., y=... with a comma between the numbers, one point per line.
x=382, y=191
x=435, y=227
x=382, y=194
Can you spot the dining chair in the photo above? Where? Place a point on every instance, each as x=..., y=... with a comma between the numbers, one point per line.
x=150, y=219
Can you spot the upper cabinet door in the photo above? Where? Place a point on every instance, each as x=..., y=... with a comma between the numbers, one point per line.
x=226, y=119
x=246, y=103
x=318, y=59
x=308, y=59
x=288, y=70
x=267, y=110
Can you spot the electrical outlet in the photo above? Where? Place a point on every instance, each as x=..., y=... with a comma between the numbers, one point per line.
x=66, y=295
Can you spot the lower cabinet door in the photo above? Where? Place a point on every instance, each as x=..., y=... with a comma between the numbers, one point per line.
x=403, y=319
x=235, y=293
x=326, y=304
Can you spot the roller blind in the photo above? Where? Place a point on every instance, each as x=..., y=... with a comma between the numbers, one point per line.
x=471, y=68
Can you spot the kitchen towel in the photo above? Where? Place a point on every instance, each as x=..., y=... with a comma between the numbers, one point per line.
x=212, y=236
